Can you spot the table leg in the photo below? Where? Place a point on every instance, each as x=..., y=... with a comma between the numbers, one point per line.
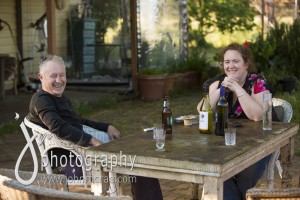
x=194, y=190
x=212, y=189
x=115, y=184
x=100, y=183
x=287, y=153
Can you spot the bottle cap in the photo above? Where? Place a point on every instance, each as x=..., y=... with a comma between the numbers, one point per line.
x=222, y=91
x=267, y=97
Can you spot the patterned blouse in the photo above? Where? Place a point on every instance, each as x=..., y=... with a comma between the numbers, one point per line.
x=255, y=83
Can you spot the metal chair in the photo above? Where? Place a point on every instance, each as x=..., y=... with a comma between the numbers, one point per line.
x=45, y=187
x=284, y=113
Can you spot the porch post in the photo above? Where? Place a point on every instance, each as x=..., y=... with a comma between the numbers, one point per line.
x=51, y=39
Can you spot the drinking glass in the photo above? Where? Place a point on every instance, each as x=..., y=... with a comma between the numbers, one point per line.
x=230, y=136
x=160, y=136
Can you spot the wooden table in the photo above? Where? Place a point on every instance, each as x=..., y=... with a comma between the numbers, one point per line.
x=194, y=157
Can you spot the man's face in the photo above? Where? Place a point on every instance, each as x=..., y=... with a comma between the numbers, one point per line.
x=53, y=78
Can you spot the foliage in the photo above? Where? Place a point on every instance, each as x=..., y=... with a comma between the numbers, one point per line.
x=106, y=13
x=293, y=99
x=87, y=108
x=278, y=56
x=157, y=59
x=225, y=16
x=196, y=61
x=153, y=71
x=9, y=127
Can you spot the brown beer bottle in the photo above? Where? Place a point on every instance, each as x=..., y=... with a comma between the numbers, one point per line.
x=167, y=120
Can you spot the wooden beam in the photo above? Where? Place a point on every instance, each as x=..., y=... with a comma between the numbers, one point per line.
x=134, y=61
x=296, y=9
x=262, y=18
x=51, y=39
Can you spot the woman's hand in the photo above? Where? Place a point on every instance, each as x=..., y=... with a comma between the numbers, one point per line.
x=231, y=83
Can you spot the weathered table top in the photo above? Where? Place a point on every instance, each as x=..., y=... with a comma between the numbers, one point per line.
x=192, y=153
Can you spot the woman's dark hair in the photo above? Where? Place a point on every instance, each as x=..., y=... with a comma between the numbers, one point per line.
x=245, y=52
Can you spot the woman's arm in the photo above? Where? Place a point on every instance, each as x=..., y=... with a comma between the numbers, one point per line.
x=251, y=104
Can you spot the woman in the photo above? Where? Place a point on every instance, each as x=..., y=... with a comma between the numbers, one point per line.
x=245, y=90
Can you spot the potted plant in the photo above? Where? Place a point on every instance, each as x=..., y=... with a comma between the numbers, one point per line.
x=151, y=83
x=155, y=79
x=193, y=71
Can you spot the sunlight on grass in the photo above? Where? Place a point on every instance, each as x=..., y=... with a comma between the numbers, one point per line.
x=9, y=127
x=87, y=108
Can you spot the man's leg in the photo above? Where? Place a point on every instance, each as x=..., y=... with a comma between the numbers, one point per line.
x=72, y=170
x=144, y=188
x=103, y=137
x=99, y=135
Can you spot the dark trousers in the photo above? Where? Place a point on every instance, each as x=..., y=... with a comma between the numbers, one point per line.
x=142, y=188
x=236, y=187
x=145, y=188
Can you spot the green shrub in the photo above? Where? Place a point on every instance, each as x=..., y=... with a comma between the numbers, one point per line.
x=278, y=55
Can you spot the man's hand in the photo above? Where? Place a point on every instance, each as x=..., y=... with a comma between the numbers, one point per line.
x=113, y=133
x=95, y=142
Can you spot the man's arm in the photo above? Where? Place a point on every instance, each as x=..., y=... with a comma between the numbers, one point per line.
x=43, y=107
x=108, y=128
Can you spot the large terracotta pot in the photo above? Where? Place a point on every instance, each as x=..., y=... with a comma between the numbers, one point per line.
x=151, y=87
x=186, y=80
x=180, y=81
x=169, y=84
x=193, y=78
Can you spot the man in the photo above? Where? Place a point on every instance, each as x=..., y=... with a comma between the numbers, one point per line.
x=50, y=109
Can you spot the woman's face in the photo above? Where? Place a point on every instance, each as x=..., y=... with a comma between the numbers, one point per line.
x=234, y=65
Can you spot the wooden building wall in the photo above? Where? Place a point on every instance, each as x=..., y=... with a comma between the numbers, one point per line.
x=7, y=41
x=33, y=10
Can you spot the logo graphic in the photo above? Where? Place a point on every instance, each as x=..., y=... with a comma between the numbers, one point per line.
x=17, y=116
x=34, y=157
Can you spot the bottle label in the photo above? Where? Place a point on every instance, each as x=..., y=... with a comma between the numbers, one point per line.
x=203, y=120
x=170, y=120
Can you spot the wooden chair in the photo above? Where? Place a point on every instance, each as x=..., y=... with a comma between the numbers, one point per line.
x=273, y=194
x=284, y=113
x=45, y=187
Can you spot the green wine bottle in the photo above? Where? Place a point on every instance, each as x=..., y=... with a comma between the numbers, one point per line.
x=222, y=113
x=167, y=120
x=205, y=114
